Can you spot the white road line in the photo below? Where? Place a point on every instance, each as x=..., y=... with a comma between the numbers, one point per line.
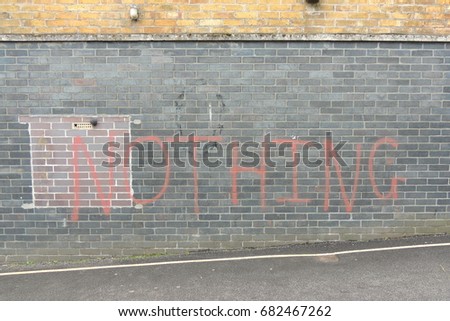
x=228, y=259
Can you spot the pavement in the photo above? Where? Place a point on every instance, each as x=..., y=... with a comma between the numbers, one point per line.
x=405, y=269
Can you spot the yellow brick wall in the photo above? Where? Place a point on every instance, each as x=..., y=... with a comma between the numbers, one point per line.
x=409, y=17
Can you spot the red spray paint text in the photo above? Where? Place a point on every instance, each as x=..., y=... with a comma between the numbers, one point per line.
x=235, y=170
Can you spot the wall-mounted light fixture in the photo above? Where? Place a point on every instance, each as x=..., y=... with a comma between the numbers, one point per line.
x=134, y=12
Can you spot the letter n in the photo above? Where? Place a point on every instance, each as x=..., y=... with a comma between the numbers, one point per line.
x=80, y=146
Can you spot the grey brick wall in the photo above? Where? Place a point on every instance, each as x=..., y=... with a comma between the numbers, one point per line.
x=390, y=103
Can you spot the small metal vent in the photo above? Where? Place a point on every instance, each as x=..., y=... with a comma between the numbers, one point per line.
x=83, y=125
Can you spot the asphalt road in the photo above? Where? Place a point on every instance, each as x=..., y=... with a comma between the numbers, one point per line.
x=404, y=274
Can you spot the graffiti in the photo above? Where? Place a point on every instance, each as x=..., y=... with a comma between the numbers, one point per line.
x=163, y=147
x=79, y=146
x=179, y=106
x=219, y=129
x=332, y=162
x=393, y=192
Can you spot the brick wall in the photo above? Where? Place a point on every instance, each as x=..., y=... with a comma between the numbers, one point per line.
x=67, y=158
x=388, y=101
x=418, y=17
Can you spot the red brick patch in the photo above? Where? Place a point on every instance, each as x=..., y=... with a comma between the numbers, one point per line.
x=67, y=162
